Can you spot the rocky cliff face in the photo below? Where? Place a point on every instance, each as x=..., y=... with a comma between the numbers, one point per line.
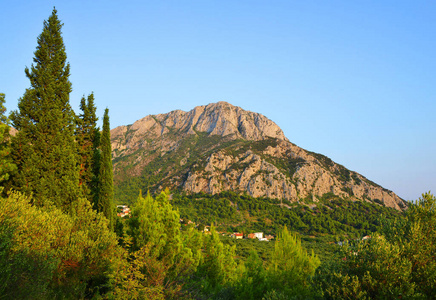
x=220, y=147
x=222, y=119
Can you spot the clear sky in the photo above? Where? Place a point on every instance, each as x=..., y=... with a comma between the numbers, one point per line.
x=353, y=80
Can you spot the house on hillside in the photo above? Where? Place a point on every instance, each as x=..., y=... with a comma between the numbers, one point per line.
x=251, y=236
x=123, y=210
x=237, y=235
x=258, y=235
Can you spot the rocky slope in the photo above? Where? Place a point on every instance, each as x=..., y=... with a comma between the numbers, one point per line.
x=220, y=147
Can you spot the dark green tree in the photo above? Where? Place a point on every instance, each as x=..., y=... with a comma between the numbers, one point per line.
x=44, y=148
x=6, y=164
x=105, y=202
x=86, y=136
x=96, y=163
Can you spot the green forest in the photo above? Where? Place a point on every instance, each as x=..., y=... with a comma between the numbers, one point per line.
x=60, y=237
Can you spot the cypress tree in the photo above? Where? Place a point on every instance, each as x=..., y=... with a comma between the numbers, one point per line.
x=106, y=184
x=44, y=148
x=85, y=137
x=96, y=163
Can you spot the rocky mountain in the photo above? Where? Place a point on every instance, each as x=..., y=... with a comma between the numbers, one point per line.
x=220, y=147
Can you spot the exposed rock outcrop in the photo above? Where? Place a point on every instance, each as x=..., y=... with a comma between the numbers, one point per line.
x=220, y=147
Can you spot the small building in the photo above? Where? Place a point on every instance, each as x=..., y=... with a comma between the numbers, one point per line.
x=123, y=210
x=258, y=235
x=269, y=237
x=237, y=235
x=251, y=236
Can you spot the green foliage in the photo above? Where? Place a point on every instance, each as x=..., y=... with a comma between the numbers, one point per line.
x=373, y=268
x=86, y=129
x=96, y=164
x=286, y=275
x=3, y=118
x=342, y=286
x=156, y=224
x=253, y=281
x=105, y=189
x=49, y=254
x=174, y=261
x=291, y=266
x=164, y=252
x=32, y=272
x=244, y=248
x=398, y=264
x=321, y=226
x=276, y=295
x=331, y=215
x=218, y=266
x=44, y=148
x=131, y=282
x=7, y=166
x=417, y=236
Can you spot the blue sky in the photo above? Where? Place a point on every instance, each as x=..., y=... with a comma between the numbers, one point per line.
x=353, y=80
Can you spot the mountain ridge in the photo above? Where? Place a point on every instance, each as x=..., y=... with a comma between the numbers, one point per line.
x=220, y=147
x=208, y=118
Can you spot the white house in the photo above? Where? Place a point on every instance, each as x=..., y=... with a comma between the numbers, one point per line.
x=258, y=235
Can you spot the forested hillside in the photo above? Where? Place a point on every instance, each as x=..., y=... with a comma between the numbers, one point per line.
x=330, y=215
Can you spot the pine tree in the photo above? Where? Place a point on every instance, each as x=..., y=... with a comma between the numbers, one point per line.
x=105, y=180
x=44, y=148
x=291, y=266
x=166, y=254
x=6, y=164
x=218, y=266
x=85, y=136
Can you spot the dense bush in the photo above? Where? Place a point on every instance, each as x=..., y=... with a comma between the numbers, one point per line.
x=399, y=263
x=50, y=254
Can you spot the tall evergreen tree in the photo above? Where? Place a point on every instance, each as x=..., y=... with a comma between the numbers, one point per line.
x=85, y=137
x=96, y=163
x=6, y=164
x=44, y=148
x=106, y=178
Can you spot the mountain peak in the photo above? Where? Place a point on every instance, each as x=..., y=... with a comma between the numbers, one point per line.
x=219, y=147
x=220, y=118
x=225, y=119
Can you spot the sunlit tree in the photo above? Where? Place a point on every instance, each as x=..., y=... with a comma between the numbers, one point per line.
x=44, y=148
